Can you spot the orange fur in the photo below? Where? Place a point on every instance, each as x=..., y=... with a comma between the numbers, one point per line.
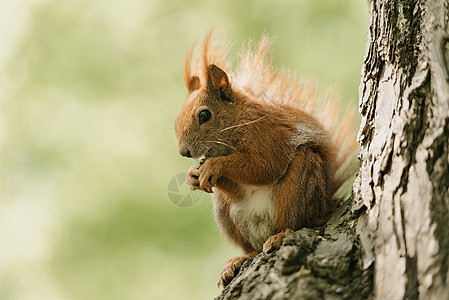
x=276, y=153
x=256, y=76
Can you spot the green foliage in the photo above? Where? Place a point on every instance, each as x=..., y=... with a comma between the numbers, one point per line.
x=89, y=92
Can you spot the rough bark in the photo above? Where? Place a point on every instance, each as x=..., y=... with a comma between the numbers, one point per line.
x=392, y=240
x=403, y=181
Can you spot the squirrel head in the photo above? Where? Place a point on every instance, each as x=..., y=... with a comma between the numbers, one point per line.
x=209, y=109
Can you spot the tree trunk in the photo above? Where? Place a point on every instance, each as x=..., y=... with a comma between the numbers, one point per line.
x=392, y=240
x=403, y=181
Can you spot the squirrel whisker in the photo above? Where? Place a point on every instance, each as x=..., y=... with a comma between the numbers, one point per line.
x=244, y=124
x=222, y=143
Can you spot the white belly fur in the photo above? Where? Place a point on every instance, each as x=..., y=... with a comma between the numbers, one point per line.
x=254, y=215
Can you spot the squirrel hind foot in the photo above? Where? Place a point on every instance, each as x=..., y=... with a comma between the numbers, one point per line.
x=274, y=242
x=231, y=268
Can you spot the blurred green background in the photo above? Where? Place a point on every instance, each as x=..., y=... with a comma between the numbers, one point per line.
x=89, y=91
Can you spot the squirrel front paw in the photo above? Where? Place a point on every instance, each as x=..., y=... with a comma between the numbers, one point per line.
x=193, y=176
x=209, y=172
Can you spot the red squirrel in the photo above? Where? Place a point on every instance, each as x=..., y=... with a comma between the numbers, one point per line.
x=274, y=156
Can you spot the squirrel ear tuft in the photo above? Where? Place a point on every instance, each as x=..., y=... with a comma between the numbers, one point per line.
x=194, y=84
x=218, y=80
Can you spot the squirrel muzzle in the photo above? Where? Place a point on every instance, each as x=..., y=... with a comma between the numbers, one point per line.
x=184, y=150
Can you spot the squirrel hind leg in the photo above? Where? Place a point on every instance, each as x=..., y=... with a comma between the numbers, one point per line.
x=302, y=197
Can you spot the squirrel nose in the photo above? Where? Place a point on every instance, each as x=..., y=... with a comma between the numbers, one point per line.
x=185, y=152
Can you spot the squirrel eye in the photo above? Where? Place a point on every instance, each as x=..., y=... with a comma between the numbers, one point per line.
x=204, y=116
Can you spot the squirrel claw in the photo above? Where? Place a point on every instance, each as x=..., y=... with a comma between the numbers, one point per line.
x=207, y=190
x=229, y=271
